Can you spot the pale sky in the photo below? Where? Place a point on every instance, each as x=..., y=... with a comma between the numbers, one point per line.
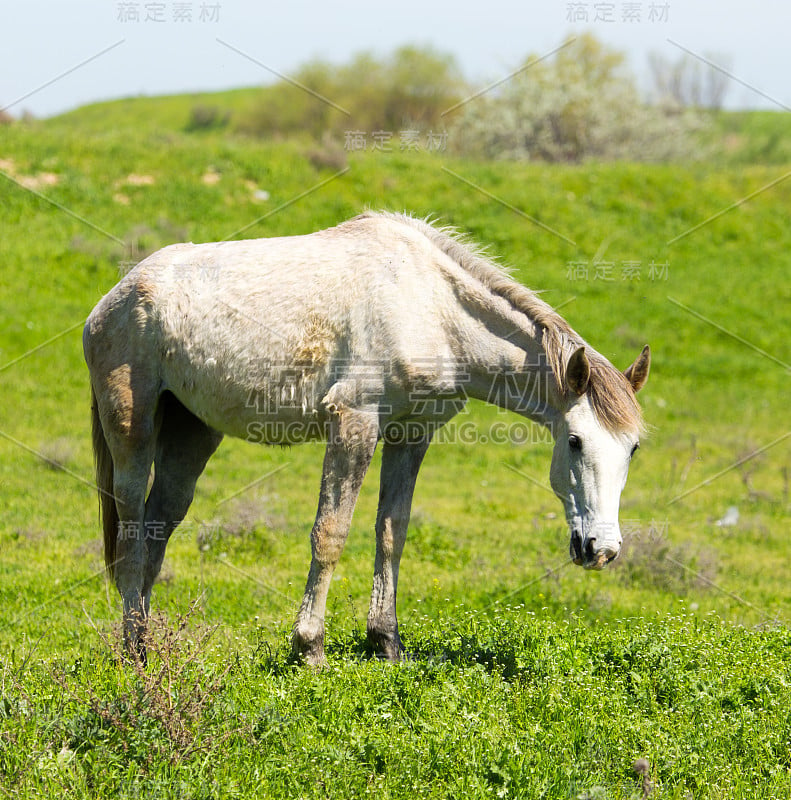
x=59, y=54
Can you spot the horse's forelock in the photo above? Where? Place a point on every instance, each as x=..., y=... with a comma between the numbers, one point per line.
x=611, y=396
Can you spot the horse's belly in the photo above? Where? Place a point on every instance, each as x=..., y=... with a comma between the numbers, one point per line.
x=278, y=407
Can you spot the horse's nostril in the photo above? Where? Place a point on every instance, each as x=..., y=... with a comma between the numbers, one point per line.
x=589, y=550
x=576, y=547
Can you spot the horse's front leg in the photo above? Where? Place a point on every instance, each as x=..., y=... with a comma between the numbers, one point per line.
x=351, y=445
x=400, y=465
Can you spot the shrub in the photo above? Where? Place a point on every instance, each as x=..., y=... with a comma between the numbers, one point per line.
x=207, y=118
x=406, y=90
x=581, y=105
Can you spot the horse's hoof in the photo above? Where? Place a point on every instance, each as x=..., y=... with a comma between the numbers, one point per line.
x=308, y=654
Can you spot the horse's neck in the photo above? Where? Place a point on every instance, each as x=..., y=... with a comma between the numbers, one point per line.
x=511, y=370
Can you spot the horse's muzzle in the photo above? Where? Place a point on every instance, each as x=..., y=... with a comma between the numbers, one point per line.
x=587, y=555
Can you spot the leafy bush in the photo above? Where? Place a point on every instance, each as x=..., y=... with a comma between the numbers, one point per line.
x=408, y=89
x=207, y=118
x=580, y=105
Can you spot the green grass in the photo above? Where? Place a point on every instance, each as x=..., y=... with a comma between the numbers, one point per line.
x=505, y=704
x=529, y=678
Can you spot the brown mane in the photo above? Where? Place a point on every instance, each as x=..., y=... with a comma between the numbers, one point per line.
x=610, y=393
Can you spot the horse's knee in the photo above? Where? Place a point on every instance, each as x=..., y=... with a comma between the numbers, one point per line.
x=327, y=540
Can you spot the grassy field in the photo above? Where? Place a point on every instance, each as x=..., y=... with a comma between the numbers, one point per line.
x=529, y=678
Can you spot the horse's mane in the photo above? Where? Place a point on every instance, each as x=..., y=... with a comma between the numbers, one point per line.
x=610, y=393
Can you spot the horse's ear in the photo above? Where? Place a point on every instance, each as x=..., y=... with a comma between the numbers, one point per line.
x=637, y=374
x=578, y=372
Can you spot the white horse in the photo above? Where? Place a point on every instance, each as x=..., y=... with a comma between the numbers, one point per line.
x=343, y=335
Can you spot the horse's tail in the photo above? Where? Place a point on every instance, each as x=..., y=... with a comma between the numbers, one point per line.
x=104, y=482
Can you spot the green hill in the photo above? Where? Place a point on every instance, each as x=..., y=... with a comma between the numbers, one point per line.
x=692, y=258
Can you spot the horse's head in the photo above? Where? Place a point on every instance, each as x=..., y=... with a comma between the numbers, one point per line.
x=592, y=452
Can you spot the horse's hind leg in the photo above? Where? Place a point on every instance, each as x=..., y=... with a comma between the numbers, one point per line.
x=183, y=447
x=126, y=409
x=352, y=441
x=400, y=465
x=129, y=488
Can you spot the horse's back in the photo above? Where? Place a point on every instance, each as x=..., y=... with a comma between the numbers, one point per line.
x=264, y=328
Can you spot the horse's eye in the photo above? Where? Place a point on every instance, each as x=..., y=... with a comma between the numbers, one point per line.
x=575, y=443
x=634, y=449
